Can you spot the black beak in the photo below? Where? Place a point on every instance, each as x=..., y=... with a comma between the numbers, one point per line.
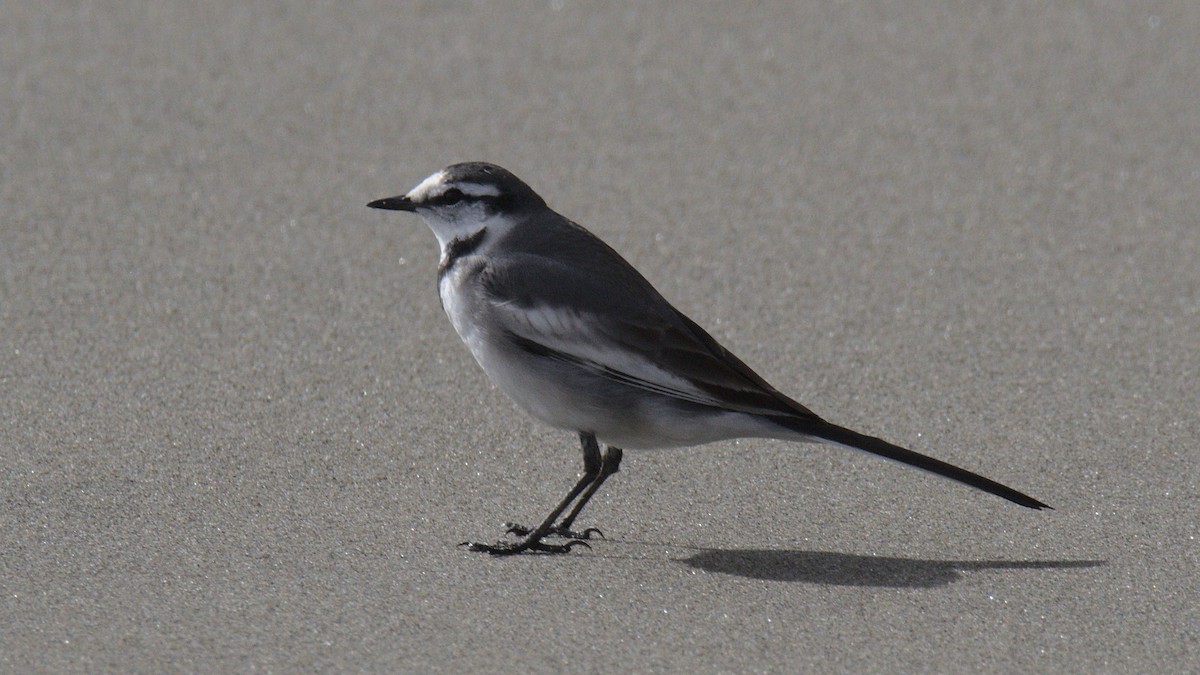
x=400, y=203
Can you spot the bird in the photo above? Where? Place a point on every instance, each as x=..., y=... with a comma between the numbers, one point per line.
x=580, y=340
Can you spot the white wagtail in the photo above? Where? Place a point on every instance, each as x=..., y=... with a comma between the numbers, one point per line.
x=582, y=341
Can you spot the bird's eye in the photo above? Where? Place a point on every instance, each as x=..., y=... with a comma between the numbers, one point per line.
x=452, y=196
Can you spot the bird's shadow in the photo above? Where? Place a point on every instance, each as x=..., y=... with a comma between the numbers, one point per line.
x=844, y=569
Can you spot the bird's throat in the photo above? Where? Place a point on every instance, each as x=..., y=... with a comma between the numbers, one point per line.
x=459, y=248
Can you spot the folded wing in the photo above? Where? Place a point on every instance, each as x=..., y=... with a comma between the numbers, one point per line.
x=620, y=327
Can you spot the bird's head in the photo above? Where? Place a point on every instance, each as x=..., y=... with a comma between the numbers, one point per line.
x=462, y=199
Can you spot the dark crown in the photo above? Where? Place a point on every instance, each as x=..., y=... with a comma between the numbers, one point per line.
x=513, y=191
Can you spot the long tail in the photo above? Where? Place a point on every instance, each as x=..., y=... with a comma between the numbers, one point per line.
x=825, y=431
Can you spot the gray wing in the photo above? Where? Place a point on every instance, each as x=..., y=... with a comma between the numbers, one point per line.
x=604, y=316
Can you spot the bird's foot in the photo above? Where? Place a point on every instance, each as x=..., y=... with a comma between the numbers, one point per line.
x=556, y=531
x=511, y=548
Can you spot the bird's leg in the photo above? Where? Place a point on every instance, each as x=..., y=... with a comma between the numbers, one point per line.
x=532, y=541
x=608, y=466
x=599, y=469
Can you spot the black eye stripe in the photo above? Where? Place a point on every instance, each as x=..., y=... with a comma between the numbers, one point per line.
x=451, y=196
x=455, y=195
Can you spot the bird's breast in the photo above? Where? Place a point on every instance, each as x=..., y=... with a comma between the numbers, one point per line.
x=460, y=301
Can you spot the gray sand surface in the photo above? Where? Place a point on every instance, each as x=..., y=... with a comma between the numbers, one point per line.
x=237, y=432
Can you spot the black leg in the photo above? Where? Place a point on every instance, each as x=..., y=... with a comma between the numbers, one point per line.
x=610, y=465
x=593, y=467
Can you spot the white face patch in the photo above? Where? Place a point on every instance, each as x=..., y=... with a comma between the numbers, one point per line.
x=461, y=219
x=478, y=190
x=430, y=186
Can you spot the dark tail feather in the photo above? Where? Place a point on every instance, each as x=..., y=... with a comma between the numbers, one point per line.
x=836, y=434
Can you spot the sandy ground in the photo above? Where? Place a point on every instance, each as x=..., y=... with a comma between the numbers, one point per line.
x=238, y=433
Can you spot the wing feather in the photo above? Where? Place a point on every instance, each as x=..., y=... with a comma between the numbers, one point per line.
x=614, y=323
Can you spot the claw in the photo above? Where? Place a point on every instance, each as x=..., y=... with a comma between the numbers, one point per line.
x=506, y=548
x=561, y=548
x=556, y=531
x=587, y=534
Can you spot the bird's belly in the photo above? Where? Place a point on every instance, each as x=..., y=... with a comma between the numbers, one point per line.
x=571, y=398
